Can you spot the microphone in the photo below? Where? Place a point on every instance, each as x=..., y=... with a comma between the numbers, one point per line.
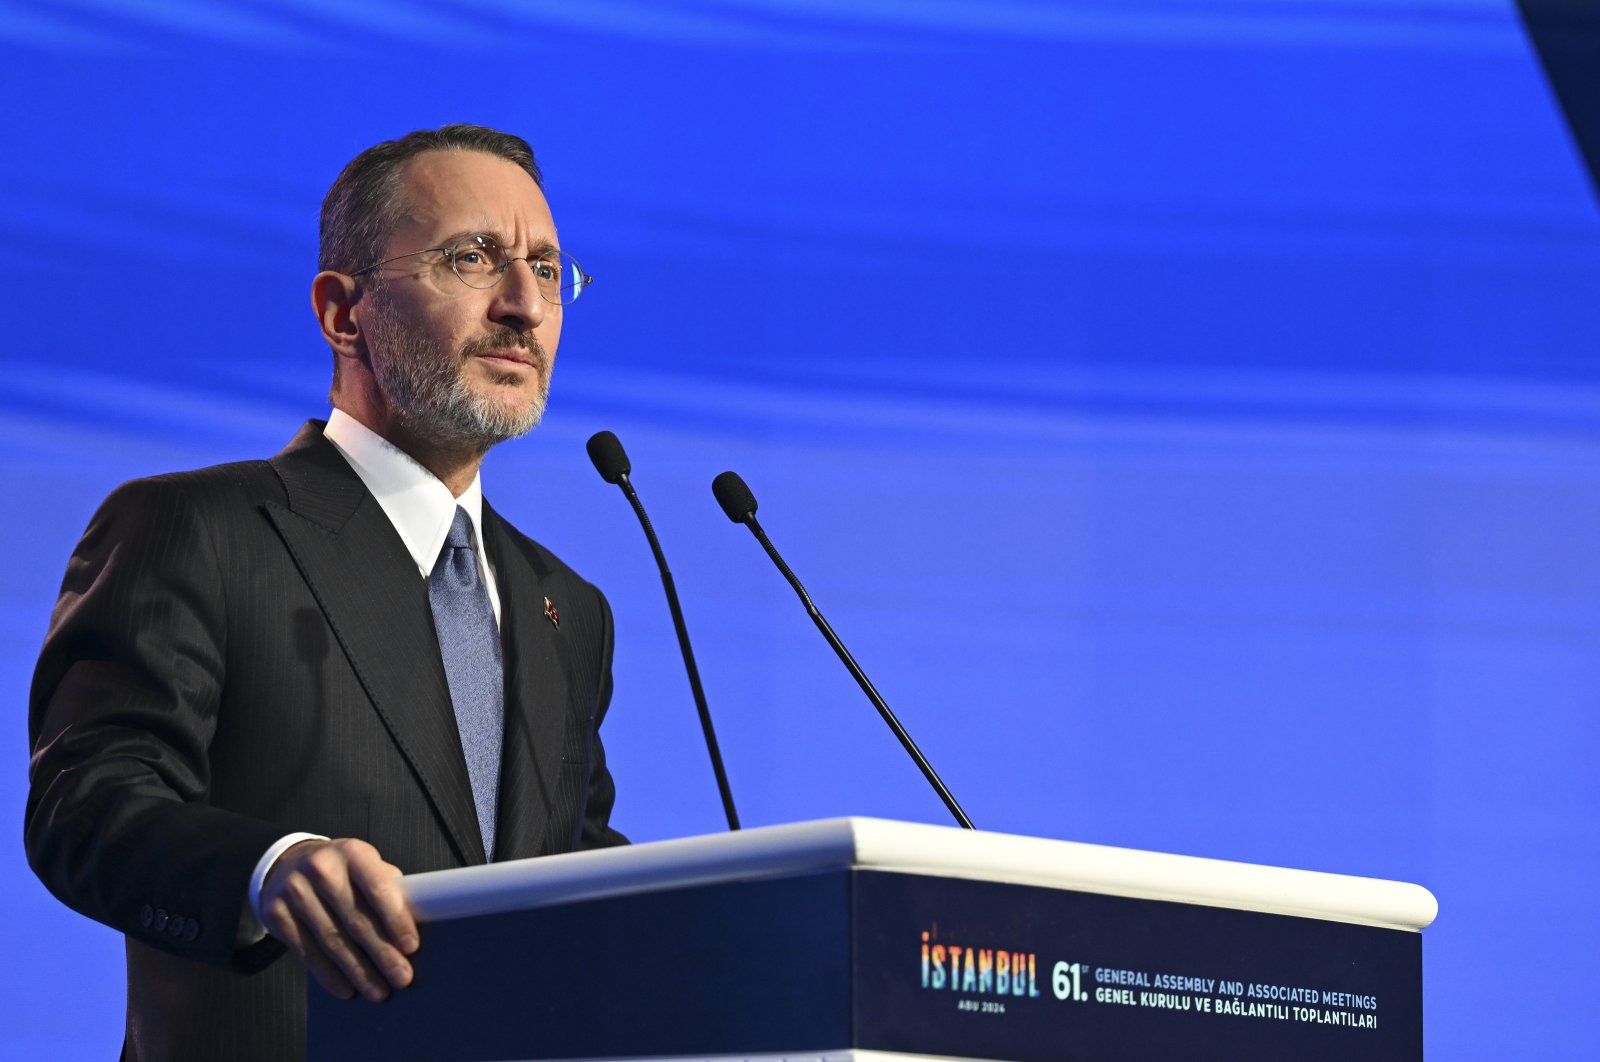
x=611, y=461
x=740, y=505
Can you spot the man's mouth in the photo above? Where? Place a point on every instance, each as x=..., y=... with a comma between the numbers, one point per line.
x=513, y=356
x=508, y=352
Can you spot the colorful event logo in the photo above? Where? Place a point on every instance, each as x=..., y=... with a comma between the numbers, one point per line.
x=977, y=970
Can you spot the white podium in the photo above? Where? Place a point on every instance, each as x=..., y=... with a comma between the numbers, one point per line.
x=867, y=939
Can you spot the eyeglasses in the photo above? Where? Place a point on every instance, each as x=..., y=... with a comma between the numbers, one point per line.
x=480, y=262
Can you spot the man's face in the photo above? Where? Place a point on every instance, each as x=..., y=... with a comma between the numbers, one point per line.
x=464, y=366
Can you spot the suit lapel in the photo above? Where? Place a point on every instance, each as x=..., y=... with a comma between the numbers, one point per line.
x=537, y=681
x=372, y=596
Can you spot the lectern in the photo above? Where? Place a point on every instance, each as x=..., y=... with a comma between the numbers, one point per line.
x=866, y=939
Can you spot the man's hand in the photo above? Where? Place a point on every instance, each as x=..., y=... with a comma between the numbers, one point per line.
x=338, y=906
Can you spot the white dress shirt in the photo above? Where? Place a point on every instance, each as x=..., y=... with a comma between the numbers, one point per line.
x=417, y=502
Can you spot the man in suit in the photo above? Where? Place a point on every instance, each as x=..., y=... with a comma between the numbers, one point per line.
x=270, y=688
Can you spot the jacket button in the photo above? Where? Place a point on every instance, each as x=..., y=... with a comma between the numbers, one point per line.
x=191, y=929
x=146, y=916
x=160, y=922
x=175, y=927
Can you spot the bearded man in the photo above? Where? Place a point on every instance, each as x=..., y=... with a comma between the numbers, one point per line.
x=270, y=687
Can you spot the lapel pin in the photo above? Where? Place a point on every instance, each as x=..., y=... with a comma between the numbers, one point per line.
x=551, y=614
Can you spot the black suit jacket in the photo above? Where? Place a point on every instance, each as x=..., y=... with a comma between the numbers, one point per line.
x=246, y=651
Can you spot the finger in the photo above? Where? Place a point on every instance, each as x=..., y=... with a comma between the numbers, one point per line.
x=379, y=884
x=348, y=928
x=343, y=932
x=329, y=941
x=367, y=942
x=315, y=888
x=280, y=921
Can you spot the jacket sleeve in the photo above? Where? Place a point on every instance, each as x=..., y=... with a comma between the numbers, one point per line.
x=121, y=716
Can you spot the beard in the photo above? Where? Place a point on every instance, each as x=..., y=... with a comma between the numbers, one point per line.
x=428, y=388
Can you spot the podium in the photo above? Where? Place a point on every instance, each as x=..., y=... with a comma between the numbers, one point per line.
x=873, y=940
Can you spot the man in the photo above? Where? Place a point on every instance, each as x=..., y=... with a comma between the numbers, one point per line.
x=271, y=687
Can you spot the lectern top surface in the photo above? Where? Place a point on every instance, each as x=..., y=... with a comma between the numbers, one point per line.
x=942, y=851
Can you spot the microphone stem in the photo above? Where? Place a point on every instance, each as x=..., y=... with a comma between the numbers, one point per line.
x=688, y=655
x=860, y=676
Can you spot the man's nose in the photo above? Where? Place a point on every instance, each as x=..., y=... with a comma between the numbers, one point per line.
x=517, y=302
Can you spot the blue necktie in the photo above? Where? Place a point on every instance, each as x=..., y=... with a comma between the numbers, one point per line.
x=469, y=639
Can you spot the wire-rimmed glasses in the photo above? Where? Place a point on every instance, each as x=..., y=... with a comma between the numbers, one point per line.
x=480, y=261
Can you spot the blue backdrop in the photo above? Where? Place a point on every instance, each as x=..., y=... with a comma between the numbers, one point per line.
x=1186, y=411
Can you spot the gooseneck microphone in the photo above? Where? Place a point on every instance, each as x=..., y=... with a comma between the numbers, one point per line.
x=611, y=461
x=740, y=505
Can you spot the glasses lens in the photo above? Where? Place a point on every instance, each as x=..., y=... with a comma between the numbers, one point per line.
x=573, y=281
x=479, y=261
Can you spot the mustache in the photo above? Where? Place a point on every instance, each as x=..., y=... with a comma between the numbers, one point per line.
x=504, y=339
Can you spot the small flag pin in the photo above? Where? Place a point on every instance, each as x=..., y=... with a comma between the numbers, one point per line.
x=551, y=614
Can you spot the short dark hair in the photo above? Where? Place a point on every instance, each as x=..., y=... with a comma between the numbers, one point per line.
x=363, y=207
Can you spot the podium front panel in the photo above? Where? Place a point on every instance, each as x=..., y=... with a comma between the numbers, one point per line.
x=879, y=961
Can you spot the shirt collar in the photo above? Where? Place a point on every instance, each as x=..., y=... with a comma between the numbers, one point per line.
x=417, y=502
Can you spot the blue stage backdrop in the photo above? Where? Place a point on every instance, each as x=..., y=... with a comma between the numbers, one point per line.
x=1187, y=411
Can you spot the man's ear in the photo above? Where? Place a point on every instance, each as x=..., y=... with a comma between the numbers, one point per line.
x=333, y=300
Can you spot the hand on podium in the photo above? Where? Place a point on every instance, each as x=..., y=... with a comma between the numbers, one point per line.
x=338, y=906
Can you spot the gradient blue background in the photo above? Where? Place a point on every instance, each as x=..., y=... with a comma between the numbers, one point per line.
x=1187, y=411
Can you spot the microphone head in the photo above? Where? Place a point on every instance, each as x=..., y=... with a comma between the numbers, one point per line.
x=609, y=458
x=734, y=497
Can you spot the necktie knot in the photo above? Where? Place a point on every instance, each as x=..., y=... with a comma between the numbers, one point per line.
x=458, y=561
x=460, y=536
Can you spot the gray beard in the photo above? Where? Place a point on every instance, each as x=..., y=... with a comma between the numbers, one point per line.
x=429, y=392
